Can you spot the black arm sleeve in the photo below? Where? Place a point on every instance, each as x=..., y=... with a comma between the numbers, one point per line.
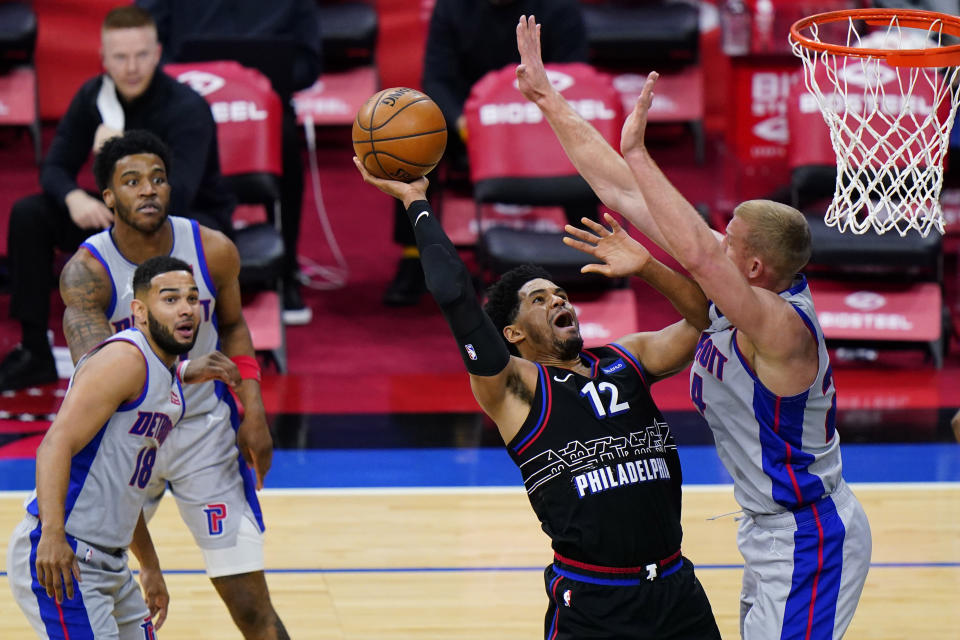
x=481, y=347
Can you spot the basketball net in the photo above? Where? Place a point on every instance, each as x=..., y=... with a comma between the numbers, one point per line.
x=889, y=125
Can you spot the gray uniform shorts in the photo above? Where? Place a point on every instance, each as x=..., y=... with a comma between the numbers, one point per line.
x=208, y=477
x=804, y=570
x=108, y=606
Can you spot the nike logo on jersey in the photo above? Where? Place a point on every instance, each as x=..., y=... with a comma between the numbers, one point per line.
x=422, y=213
x=565, y=378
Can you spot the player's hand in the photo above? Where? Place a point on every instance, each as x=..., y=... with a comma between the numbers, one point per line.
x=955, y=424
x=103, y=134
x=532, y=78
x=622, y=255
x=406, y=191
x=57, y=565
x=635, y=126
x=86, y=211
x=255, y=443
x=155, y=594
x=211, y=366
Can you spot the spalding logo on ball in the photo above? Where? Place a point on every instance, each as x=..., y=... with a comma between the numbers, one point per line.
x=399, y=134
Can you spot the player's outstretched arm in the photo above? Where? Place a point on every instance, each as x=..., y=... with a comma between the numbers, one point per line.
x=501, y=383
x=623, y=256
x=154, y=587
x=112, y=376
x=663, y=352
x=774, y=329
x=600, y=165
x=253, y=434
x=86, y=290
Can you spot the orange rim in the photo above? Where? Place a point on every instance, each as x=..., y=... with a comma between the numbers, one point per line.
x=913, y=18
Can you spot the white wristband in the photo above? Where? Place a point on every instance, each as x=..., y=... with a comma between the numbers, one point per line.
x=181, y=368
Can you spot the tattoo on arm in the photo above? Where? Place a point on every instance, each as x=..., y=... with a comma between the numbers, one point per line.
x=516, y=387
x=85, y=323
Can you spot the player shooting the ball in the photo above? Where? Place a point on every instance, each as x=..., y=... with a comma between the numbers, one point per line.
x=614, y=525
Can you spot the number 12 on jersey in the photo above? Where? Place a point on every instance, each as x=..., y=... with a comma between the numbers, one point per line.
x=593, y=391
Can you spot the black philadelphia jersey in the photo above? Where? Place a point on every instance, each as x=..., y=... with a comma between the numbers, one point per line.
x=599, y=463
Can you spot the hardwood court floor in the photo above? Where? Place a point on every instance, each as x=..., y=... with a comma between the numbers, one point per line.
x=445, y=564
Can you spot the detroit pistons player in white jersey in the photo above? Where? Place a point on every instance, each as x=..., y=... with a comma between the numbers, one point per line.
x=210, y=480
x=95, y=463
x=761, y=377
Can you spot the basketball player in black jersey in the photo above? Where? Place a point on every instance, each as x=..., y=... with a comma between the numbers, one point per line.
x=597, y=458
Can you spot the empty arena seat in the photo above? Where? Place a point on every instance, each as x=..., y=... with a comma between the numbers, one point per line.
x=349, y=30
x=630, y=38
x=515, y=158
x=642, y=34
x=248, y=115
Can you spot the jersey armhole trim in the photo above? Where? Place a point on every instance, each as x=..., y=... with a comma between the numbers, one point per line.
x=113, y=287
x=546, y=404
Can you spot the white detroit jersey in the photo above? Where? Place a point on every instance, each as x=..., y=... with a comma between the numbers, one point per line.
x=201, y=398
x=783, y=452
x=108, y=477
x=209, y=478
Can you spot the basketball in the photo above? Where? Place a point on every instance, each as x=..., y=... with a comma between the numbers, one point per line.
x=399, y=134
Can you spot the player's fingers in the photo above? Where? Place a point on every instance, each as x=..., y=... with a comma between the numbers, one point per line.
x=579, y=246
x=597, y=228
x=363, y=171
x=580, y=234
x=58, y=581
x=602, y=269
x=255, y=463
x=67, y=574
x=158, y=610
x=229, y=375
x=159, y=617
x=614, y=225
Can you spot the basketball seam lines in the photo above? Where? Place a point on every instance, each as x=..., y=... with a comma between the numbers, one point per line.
x=385, y=122
x=412, y=135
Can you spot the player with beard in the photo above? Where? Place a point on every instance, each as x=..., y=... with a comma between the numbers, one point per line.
x=597, y=458
x=95, y=463
x=213, y=485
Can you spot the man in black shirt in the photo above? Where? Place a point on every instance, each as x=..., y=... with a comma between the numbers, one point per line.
x=130, y=95
x=467, y=39
x=597, y=458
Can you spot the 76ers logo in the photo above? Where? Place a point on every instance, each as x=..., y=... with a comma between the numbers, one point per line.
x=216, y=514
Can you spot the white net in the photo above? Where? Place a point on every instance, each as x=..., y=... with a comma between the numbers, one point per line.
x=889, y=126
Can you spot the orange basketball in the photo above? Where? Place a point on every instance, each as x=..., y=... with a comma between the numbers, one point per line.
x=399, y=134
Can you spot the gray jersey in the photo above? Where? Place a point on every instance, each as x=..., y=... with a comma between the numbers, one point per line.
x=783, y=452
x=201, y=398
x=209, y=478
x=108, y=476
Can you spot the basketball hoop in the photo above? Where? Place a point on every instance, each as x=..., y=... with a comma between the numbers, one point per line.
x=889, y=95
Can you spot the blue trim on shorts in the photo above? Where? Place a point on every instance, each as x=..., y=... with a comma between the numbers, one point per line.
x=552, y=631
x=68, y=619
x=249, y=479
x=612, y=582
x=811, y=608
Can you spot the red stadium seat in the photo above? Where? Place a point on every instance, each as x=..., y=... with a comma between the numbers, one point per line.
x=248, y=116
x=515, y=159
